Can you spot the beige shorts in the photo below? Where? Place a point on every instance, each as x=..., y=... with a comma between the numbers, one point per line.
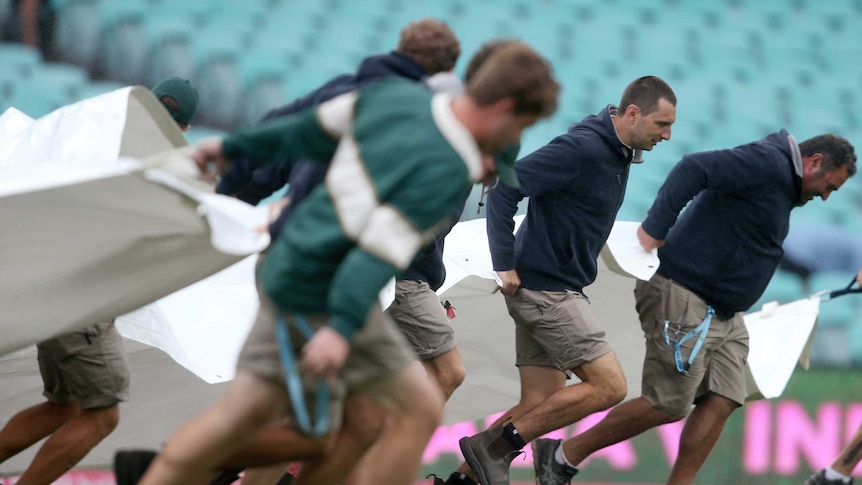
x=88, y=366
x=719, y=367
x=378, y=354
x=555, y=329
x=419, y=315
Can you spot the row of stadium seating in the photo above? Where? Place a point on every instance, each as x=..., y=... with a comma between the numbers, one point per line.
x=740, y=68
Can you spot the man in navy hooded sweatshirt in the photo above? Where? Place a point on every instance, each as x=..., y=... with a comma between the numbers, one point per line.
x=576, y=185
x=427, y=49
x=716, y=259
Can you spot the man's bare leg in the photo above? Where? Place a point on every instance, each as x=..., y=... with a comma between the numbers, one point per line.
x=537, y=384
x=364, y=422
x=547, y=403
x=447, y=371
x=30, y=425
x=699, y=435
x=624, y=421
x=204, y=444
x=417, y=406
x=851, y=454
x=602, y=385
x=70, y=443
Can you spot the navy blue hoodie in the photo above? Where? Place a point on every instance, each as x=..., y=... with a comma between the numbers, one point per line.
x=726, y=244
x=576, y=185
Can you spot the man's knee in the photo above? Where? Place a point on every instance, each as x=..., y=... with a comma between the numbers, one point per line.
x=616, y=388
x=364, y=418
x=607, y=377
x=448, y=370
x=105, y=419
x=455, y=374
x=718, y=404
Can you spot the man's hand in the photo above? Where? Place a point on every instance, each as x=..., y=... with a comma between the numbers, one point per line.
x=325, y=353
x=648, y=242
x=511, y=281
x=859, y=277
x=207, y=155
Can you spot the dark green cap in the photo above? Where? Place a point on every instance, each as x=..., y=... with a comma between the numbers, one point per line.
x=184, y=95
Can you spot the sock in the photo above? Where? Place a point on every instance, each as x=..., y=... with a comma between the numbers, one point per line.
x=560, y=457
x=831, y=474
x=513, y=437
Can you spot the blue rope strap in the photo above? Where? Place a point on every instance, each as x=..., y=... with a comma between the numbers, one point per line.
x=293, y=379
x=698, y=332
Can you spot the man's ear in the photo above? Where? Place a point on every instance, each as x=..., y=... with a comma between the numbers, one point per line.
x=815, y=161
x=503, y=105
x=818, y=160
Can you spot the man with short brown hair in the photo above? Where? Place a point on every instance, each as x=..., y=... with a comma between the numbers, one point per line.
x=576, y=184
x=431, y=43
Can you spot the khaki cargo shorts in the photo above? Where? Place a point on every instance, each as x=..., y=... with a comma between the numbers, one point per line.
x=555, y=329
x=378, y=354
x=420, y=316
x=719, y=366
x=88, y=366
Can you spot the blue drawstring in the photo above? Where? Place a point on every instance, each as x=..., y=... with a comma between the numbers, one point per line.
x=293, y=379
x=700, y=332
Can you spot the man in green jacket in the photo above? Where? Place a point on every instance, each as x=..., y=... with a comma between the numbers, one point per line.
x=400, y=160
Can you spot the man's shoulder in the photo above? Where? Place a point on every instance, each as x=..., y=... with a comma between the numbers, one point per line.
x=394, y=101
x=396, y=86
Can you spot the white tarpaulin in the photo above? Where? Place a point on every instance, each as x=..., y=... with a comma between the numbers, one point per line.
x=780, y=336
x=202, y=327
x=90, y=228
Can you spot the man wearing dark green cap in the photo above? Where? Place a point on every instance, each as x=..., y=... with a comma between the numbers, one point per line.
x=179, y=98
x=85, y=373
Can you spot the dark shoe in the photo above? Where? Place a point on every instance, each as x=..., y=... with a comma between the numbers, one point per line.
x=548, y=471
x=285, y=479
x=455, y=478
x=819, y=478
x=437, y=480
x=225, y=477
x=490, y=471
x=130, y=465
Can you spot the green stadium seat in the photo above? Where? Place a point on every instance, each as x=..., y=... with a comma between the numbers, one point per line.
x=19, y=59
x=168, y=39
x=262, y=76
x=217, y=78
x=123, y=48
x=77, y=31
x=97, y=88
x=63, y=78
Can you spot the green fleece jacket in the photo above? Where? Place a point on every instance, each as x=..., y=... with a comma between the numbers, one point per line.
x=399, y=164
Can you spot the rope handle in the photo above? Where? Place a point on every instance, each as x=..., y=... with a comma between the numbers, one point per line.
x=827, y=295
